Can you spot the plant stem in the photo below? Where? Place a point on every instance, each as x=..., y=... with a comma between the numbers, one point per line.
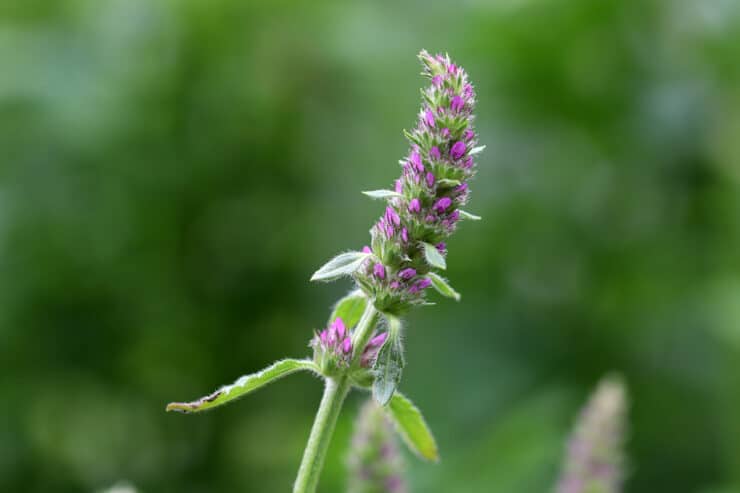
x=335, y=391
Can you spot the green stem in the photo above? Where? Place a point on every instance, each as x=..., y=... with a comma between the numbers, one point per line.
x=335, y=391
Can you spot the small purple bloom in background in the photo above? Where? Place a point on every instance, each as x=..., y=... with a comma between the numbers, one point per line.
x=415, y=205
x=434, y=153
x=429, y=118
x=458, y=150
x=445, y=133
x=407, y=273
x=595, y=454
x=379, y=271
x=442, y=204
x=430, y=179
x=457, y=104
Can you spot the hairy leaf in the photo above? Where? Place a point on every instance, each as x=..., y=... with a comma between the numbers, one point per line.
x=382, y=194
x=476, y=150
x=443, y=287
x=413, y=429
x=344, y=264
x=350, y=308
x=244, y=385
x=467, y=215
x=389, y=364
x=433, y=257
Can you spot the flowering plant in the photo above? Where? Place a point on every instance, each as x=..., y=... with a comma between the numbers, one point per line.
x=361, y=346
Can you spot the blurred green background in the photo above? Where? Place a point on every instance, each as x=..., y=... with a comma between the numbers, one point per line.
x=172, y=172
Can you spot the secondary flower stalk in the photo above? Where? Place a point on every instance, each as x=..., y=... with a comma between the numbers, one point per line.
x=595, y=457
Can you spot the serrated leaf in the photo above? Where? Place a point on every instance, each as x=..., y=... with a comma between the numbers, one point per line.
x=389, y=364
x=413, y=429
x=443, y=287
x=350, y=308
x=344, y=264
x=243, y=386
x=449, y=183
x=433, y=257
x=382, y=194
x=467, y=215
x=476, y=150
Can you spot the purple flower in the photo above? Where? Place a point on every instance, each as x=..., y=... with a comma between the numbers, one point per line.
x=442, y=247
x=442, y=204
x=378, y=340
x=398, y=186
x=457, y=104
x=392, y=216
x=468, y=163
x=434, y=153
x=379, y=271
x=395, y=285
x=468, y=134
x=405, y=235
x=339, y=327
x=347, y=345
x=415, y=161
x=420, y=285
x=437, y=80
x=462, y=188
x=414, y=205
x=407, y=273
x=454, y=216
x=452, y=68
x=468, y=91
x=430, y=180
x=445, y=133
x=458, y=150
x=429, y=118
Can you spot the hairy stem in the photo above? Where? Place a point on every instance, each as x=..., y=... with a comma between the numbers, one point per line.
x=335, y=391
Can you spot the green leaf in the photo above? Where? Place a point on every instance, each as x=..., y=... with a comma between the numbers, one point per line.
x=443, y=287
x=413, y=429
x=382, y=194
x=344, y=264
x=467, y=215
x=389, y=364
x=476, y=150
x=244, y=385
x=433, y=257
x=446, y=182
x=350, y=308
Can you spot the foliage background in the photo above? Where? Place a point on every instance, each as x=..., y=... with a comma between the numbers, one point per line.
x=172, y=172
